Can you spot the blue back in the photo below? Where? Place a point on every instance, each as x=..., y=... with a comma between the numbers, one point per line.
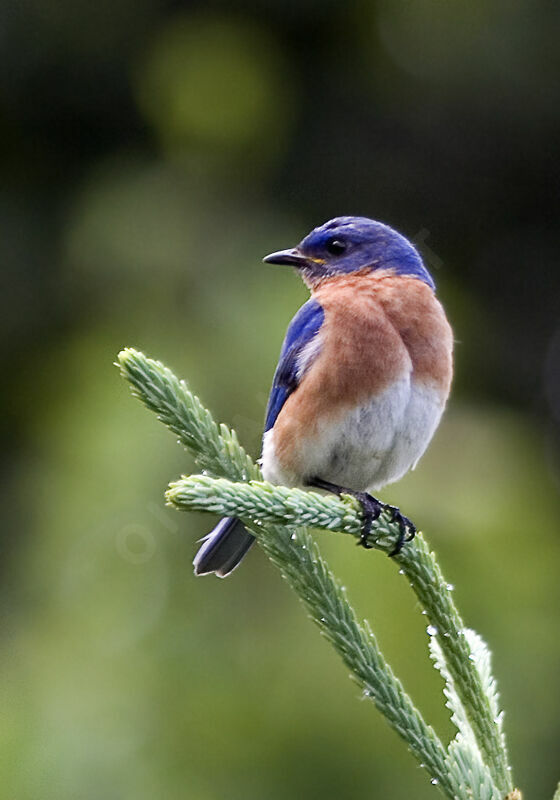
x=302, y=329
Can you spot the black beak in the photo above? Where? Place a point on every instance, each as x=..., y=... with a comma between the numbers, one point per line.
x=291, y=257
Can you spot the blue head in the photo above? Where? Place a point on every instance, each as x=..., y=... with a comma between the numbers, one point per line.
x=349, y=244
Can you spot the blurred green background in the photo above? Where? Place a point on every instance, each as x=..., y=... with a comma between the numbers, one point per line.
x=152, y=152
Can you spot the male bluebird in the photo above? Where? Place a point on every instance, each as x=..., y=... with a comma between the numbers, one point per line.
x=363, y=376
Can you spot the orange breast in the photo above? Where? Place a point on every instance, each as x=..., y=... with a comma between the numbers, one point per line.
x=377, y=328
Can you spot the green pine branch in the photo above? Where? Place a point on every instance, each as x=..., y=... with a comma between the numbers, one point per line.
x=475, y=764
x=264, y=502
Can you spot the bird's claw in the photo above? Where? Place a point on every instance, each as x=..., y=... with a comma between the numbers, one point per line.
x=407, y=529
x=371, y=508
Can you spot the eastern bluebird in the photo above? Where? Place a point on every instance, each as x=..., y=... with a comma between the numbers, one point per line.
x=363, y=376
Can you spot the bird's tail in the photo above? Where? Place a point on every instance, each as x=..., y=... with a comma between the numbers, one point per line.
x=223, y=548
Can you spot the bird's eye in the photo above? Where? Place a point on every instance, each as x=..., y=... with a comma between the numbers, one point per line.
x=335, y=247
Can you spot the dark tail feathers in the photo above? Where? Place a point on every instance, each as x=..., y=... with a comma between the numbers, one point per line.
x=223, y=548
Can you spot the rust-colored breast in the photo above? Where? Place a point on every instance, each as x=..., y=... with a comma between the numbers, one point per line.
x=420, y=320
x=378, y=328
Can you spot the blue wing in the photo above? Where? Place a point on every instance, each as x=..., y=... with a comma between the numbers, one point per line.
x=302, y=329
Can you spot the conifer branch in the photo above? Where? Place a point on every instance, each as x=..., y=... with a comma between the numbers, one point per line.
x=266, y=503
x=475, y=765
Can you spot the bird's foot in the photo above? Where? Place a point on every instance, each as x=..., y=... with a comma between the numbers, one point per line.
x=407, y=529
x=371, y=508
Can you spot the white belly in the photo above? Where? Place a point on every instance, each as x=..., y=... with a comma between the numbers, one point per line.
x=368, y=447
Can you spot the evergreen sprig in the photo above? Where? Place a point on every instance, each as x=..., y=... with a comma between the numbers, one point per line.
x=469, y=676
x=475, y=764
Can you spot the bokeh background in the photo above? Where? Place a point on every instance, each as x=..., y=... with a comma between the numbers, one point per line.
x=151, y=153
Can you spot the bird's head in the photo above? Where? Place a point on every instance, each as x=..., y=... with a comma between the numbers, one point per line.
x=350, y=244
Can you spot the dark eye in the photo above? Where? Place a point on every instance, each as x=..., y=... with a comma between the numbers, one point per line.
x=335, y=247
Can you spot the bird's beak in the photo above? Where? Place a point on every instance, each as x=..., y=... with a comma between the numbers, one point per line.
x=292, y=258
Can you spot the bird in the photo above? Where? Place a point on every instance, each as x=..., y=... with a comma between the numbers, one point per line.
x=362, y=381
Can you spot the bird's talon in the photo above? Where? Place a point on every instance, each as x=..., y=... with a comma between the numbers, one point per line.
x=411, y=532
x=407, y=530
x=371, y=509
